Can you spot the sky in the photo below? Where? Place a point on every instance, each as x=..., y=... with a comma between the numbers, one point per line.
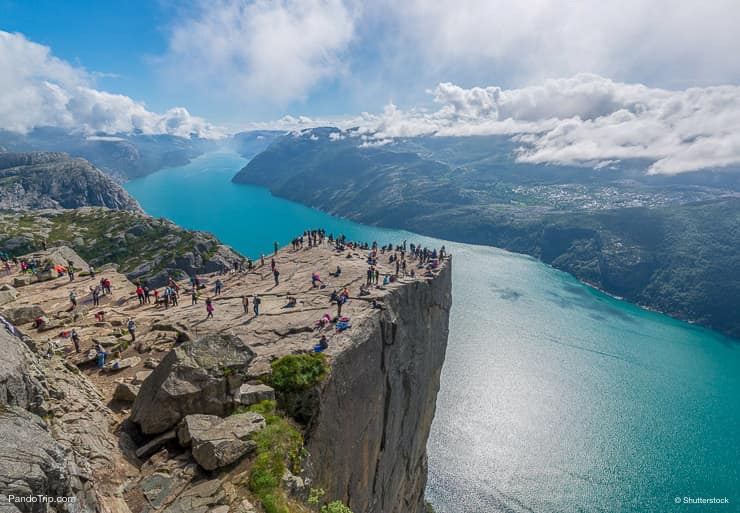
x=575, y=80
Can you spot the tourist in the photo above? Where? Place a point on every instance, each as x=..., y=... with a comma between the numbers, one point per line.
x=315, y=279
x=92, y=272
x=219, y=286
x=194, y=297
x=147, y=300
x=76, y=340
x=73, y=299
x=276, y=246
x=209, y=308
x=100, y=355
x=245, y=303
x=131, y=327
x=276, y=275
x=256, y=301
x=140, y=294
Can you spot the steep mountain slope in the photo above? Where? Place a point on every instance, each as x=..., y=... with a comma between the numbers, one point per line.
x=668, y=243
x=55, y=180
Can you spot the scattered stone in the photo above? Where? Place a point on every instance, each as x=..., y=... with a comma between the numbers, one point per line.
x=226, y=441
x=126, y=392
x=119, y=365
x=105, y=341
x=196, y=423
x=252, y=394
x=155, y=444
x=23, y=314
x=151, y=363
x=21, y=281
x=197, y=377
x=141, y=376
x=7, y=296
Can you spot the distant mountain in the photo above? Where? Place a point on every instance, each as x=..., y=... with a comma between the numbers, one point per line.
x=665, y=242
x=123, y=156
x=47, y=180
x=249, y=144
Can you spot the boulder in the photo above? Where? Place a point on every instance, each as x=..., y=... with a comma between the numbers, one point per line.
x=197, y=377
x=126, y=392
x=8, y=288
x=196, y=423
x=119, y=365
x=23, y=314
x=151, y=363
x=252, y=394
x=7, y=296
x=226, y=441
x=21, y=281
x=141, y=376
x=181, y=329
x=106, y=341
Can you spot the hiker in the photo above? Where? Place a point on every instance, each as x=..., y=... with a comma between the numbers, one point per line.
x=73, y=299
x=100, y=355
x=291, y=302
x=262, y=259
x=147, y=300
x=245, y=303
x=315, y=279
x=336, y=273
x=106, y=286
x=277, y=246
x=194, y=297
x=322, y=345
x=276, y=275
x=156, y=297
x=140, y=295
x=256, y=300
x=96, y=295
x=71, y=273
x=76, y=340
x=92, y=272
x=272, y=264
x=219, y=286
x=131, y=327
x=209, y=308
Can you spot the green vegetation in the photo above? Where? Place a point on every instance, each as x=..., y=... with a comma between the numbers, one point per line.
x=279, y=446
x=428, y=508
x=298, y=372
x=335, y=507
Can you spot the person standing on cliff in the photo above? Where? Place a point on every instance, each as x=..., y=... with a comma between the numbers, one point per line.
x=209, y=308
x=73, y=299
x=131, y=327
x=76, y=340
x=256, y=301
x=276, y=246
x=245, y=303
x=276, y=275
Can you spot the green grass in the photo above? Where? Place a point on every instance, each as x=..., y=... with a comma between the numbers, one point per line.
x=295, y=373
x=279, y=446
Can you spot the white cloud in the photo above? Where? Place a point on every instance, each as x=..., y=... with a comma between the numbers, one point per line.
x=262, y=50
x=38, y=89
x=586, y=119
x=675, y=43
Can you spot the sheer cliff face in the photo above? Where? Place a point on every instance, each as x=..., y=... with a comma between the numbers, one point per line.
x=368, y=439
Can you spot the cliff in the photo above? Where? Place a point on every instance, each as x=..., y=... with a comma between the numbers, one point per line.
x=55, y=180
x=368, y=438
x=189, y=445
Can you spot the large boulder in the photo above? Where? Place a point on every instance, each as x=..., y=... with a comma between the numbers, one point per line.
x=252, y=394
x=23, y=314
x=126, y=392
x=7, y=296
x=219, y=442
x=197, y=377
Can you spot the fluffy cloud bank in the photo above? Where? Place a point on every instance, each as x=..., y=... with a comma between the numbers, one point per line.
x=38, y=89
x=586, y=119
x=264, y=49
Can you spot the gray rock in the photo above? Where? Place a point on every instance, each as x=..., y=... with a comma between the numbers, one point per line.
x=23, y=314
x=20, y=378
x=156, y=443
x=252, y=394
x=31, y=461
x=126, y=392
x=21, y=281
x=141, y=376
x=196, y=423
x=8, y=288
x=6, y=296
x=227, y=441
x=197, y=377
x=201, y=498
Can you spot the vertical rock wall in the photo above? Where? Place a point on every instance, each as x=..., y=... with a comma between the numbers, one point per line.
x=368, y=439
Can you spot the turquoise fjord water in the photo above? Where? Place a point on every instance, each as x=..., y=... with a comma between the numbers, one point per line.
x=554, y=397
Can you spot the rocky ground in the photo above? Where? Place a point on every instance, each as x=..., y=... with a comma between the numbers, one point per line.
x=87, y=410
